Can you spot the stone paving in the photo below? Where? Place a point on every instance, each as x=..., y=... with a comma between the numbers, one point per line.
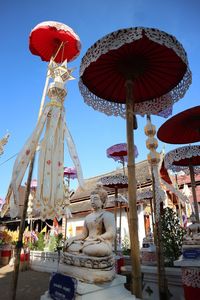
x=31, y=284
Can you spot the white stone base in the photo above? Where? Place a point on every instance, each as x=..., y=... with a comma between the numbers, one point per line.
x=106, y=291
x=88, y=275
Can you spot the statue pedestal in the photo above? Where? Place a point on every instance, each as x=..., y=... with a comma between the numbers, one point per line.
x=104, y=291
x=87, y=268
x=88, y=275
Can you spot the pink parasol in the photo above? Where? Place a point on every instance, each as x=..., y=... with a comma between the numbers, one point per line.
x=134, y=71
x=119, y=152
x=70, y=172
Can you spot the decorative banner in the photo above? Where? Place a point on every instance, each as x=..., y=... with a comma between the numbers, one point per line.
x=3, y=142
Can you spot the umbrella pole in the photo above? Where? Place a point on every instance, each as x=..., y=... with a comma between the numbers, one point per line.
x=193, y=185
x=120, y=224
x=116, y=196
x=136, y=287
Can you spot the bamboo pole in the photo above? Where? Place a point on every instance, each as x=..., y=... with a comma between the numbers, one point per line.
x=116, y=195
x=136, y=286
x=120, y=223
x=194, y=195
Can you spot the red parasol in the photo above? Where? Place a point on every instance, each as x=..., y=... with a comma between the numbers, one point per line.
x=51, y=38
x=180, y=158
x=183, y=128
x=147, y=70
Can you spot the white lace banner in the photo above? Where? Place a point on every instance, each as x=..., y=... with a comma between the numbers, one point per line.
x=191, y=277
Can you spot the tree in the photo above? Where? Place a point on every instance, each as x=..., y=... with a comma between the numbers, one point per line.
x=172, y=236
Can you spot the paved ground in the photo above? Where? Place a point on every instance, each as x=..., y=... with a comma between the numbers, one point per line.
x=31, y=284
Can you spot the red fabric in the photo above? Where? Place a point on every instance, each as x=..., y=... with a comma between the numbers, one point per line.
x=162, y=69
x=164, y=174
x=25, y=257
x=5, y=253
x=183, y=128
x=44, y=41
x=191, y=293
x=193, y=161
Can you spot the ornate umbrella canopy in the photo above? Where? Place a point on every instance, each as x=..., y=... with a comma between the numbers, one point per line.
x=118, y=181
x=146, y=69
x=51, y=38
x=149, y=57
x=119, y=152
x=182, y=157
x=70, y=172
x=183, y=128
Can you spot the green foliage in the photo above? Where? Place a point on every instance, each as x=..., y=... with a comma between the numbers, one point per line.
x=59, y=241
x=126, y=245
x=39, y=244
x=172, y=236
x=52, y=244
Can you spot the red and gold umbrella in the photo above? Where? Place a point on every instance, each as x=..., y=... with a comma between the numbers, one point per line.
x=183, y=158
x=183, y=128
x=134, y=71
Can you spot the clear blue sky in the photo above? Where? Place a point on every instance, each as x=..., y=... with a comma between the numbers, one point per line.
x=22, y=74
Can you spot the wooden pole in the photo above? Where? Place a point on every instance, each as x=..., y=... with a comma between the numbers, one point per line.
x=136, y=287
x=194, y=195
x=120, y=223
x=116, y=196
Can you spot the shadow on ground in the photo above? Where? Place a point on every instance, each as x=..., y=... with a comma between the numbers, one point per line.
x=31, y=284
